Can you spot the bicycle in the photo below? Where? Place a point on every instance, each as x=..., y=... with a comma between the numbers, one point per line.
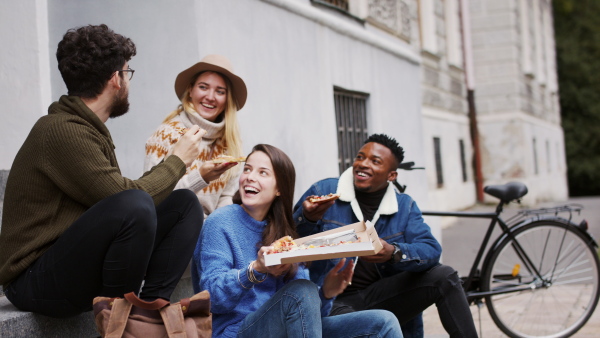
x=541, y=276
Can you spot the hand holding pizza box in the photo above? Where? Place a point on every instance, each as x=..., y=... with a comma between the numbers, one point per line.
x=358, y=239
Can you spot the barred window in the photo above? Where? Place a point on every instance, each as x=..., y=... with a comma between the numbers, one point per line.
x=340, y=4
x=463, y=162
x=351, y=117
x=438, y=162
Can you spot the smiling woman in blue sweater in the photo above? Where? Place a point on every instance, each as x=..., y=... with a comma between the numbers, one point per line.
x=250, y=299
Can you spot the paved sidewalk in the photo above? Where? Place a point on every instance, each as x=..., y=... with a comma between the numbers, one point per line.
x=461, y=256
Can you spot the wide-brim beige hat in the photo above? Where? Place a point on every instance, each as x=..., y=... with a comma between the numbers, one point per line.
x=215, y=63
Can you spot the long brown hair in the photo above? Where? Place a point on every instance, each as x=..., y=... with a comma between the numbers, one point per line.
x=280, y=221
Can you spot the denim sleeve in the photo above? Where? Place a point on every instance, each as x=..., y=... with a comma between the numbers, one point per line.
x=420, y=249
x=303, y=225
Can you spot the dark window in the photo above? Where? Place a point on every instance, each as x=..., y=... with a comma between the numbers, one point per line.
x=463, y=162
x=340, y=4
x=438, y=162
x=351, y=117
x=535, y=159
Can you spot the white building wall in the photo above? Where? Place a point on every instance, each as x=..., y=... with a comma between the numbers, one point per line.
x=290, y=53
x=516, y=96
x=24, y=72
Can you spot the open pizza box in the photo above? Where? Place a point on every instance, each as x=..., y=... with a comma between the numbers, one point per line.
x=369, y=245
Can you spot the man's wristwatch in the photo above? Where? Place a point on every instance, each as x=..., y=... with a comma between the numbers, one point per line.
x=397, y=256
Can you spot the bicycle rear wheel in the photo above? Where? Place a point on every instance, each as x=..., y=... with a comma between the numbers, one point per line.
x=555, y=305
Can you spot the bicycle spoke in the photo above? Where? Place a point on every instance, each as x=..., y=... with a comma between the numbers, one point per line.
x=559, y=300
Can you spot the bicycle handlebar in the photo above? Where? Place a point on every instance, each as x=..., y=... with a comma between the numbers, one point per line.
x=408, y=166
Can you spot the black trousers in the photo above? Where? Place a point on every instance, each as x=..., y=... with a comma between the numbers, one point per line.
x=409, y=293
x=114, y=246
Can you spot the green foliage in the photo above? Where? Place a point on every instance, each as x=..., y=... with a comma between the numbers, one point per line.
x=577, y=30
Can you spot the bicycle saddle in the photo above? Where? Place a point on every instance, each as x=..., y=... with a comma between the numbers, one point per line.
x=507, y=192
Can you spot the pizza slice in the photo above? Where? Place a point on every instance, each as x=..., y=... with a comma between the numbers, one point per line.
x=324, y=198
x=284, y=244
x=228, y=159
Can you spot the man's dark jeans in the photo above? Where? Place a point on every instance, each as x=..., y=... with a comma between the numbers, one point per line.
x=409, y=293
x=114, y=246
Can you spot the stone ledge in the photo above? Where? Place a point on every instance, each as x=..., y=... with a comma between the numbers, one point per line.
x=15, y=323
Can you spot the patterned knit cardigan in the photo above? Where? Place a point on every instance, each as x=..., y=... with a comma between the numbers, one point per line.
x=211, y=195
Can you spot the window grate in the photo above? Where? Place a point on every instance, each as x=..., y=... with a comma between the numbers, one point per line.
x=341, y=4
x=351, y=117
x=438, y=162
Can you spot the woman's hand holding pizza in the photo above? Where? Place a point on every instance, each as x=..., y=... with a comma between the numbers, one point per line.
x=336, y=281
x=211, y=171
x=275, y=270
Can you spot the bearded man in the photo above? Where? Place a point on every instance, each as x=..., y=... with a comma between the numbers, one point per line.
x=73, y=227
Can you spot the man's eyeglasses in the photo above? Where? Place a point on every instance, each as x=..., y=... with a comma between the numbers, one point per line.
x=131, y=71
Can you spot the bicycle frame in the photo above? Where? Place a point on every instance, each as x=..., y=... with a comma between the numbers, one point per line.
x=471, y=289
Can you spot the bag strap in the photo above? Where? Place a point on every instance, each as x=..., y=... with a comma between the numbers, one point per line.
x=142, y=304
x=172, y=317
x=118, y=318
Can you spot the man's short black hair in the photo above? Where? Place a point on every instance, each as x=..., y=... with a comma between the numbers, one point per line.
x=88, y=56
x=389, y=143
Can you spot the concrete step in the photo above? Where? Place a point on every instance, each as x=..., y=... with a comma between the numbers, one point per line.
x=16, y=323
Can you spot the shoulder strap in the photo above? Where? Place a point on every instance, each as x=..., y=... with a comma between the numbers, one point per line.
x=173, y=319
x=118, y=318
x=157, y=304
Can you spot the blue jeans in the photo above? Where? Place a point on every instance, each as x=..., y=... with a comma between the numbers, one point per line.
x=295, y=311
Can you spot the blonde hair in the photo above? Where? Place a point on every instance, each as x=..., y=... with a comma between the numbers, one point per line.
x=231, y=137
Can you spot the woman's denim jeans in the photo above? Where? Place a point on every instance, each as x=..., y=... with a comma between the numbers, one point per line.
x=295, y=311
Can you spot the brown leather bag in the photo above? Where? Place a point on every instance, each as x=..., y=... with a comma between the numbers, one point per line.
x=133, y=317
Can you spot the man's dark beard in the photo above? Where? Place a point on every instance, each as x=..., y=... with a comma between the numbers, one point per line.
x=120, y=104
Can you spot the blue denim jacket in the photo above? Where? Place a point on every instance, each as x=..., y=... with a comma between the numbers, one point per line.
x=398, y=221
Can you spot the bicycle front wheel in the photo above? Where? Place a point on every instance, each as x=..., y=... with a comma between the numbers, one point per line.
x=550, y=288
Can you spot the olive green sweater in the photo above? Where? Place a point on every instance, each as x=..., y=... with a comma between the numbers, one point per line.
x=66, y=165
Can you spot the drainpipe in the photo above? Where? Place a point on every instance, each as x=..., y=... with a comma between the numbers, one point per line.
x=470, y=82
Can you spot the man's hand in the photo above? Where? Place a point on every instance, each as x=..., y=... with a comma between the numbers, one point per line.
x=211, y=171
x=382, y=256
x=187, y=147
x=336, y=282
x=315, y=211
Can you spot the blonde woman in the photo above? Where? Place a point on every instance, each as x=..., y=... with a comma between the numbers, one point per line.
x=210, y=94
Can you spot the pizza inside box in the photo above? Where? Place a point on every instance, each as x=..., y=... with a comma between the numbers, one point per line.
x=358, y=239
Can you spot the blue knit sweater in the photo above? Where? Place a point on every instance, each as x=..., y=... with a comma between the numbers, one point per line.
x=228, y=242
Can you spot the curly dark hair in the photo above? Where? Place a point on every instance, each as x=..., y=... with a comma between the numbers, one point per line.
x=89, y=55
x=389, y=143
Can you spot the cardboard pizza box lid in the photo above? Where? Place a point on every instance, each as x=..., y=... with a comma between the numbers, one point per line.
x=369, y=245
